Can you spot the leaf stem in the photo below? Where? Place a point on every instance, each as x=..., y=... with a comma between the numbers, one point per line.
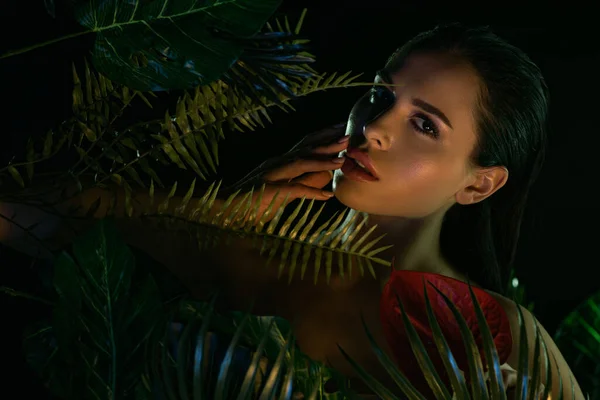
x=15, y=293
x=46, y=43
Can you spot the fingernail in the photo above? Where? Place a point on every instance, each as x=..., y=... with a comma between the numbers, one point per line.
x=338, y=160
x=327, y=193
x=343, y=139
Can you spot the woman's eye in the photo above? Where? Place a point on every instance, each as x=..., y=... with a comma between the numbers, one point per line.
x=425, y=125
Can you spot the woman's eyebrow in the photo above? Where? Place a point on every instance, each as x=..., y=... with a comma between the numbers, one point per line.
x=432, y=110
x=384, y=76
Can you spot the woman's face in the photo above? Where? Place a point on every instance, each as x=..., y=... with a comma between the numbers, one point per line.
x=421, y=156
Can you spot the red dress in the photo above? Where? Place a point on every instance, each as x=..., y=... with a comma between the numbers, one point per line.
x=408, y=286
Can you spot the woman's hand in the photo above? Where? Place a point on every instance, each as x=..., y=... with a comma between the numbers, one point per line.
x=302, y=172
x=509, y=377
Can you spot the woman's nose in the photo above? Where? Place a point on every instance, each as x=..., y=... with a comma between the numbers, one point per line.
x=377, y=136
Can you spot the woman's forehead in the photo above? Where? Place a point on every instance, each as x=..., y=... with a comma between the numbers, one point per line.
x=431, y=70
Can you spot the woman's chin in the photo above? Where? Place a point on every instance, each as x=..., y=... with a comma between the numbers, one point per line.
x=348, y=195
x=343, y=189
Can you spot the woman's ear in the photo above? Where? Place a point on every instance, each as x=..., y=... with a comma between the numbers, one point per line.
x=486, y=182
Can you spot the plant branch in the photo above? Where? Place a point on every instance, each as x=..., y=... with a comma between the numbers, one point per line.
x=245, y=112
x=110, y=146
x=46, y=43
x=15, y=293
x=100, y=29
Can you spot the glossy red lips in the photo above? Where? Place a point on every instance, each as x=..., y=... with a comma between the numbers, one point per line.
x=354, y=171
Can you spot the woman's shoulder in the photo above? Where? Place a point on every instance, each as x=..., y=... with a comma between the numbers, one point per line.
x=559, y=368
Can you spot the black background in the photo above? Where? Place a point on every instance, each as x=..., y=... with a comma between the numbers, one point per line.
x=557, y=261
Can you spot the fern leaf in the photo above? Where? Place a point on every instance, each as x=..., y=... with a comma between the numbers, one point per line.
x=16, y=175
x=191, y=138
x=164, y=206
x=77, y=93
x=169, y=126
x=293, y=243
x=30, y=158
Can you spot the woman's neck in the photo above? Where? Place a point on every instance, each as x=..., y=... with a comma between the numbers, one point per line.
x=415, y=241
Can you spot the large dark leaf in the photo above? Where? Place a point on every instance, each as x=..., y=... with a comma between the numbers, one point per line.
x=170, y=44
x=120, y=313
x=101, y=322
x=578, y=338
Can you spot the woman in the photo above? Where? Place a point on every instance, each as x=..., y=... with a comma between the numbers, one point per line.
x=441, y=157
x=440, y=154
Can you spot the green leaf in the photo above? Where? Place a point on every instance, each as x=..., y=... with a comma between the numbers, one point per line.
x=523, y=363
x=106, y=262
x=276, y=370
x=224, y=378
x=16, y=175
x=497, y=390
x=66, y=280
x=457, y=379
x=104, y=317
x=249, y=378
x=478, y=385
x=377, y=388
x=391, y=368
x=429, y=371
x=170, y=44
x=578, y=338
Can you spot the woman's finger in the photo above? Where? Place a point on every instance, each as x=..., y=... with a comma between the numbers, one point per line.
x=336, y=147
x=315, y=179
x=320, y=137
x=509, y=376
x=540, y=392
x=302, y=166
x=277, y=194
x=294, y=191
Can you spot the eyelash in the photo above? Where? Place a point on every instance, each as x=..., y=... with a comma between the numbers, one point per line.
x=434, y=133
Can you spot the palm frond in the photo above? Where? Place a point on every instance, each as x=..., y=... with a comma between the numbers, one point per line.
x=293, y=241
x=266, y=336
x=191, y=137
x=97, y=104
x=483, y=384
x=270, y=62
x=199, y=363
x=188, y=139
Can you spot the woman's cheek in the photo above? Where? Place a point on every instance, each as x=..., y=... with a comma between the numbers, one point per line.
x=420, y=173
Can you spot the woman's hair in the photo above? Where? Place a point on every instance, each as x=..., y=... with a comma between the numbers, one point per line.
x=481, y=239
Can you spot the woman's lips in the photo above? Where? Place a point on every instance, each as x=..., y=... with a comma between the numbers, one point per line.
x=354, y=171
x=363, y=158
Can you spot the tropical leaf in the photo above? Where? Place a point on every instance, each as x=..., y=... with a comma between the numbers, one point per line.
x=170, y=44
x=194, y=361
x=101, y=321
x=484, y=385
x=269, y=333
x=50, y=8
x=293, y=243
x=97, y=103
x=190, y=138
x=271, y=62
x=578, y=337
